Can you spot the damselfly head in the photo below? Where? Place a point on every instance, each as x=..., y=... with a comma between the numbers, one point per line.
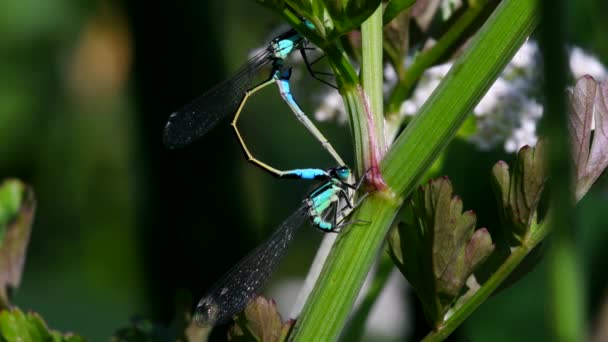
x=308, y=24
x=341, y=172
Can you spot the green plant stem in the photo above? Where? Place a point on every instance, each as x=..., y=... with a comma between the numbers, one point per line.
x=428, y=58
x=355, y=107
x=366, y=122
x=327, y=309
x=564, y=280
x=566, y=291
x=372, y=73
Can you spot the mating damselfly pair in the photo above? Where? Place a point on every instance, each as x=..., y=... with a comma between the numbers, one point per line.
x=233, y=291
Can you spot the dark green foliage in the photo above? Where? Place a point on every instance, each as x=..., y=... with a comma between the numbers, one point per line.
x=394, y=8
x=16, y=326
x=332, y=18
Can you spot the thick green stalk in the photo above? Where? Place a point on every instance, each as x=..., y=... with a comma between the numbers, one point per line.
x=348, y=263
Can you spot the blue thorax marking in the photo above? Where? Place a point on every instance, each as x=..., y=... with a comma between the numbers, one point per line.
x=320, y=201
x=322, y=205
x=287, y=43
x=284, y=47
x=322, y=188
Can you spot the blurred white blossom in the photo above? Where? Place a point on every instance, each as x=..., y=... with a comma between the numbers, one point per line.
x=509, y=112
x=390, y=314
x=448, y=7
x=331, y=107
x=388, y=318
x=582, y=64
x=506, y=106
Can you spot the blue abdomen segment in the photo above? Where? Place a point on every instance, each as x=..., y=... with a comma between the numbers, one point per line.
x=310, y=174
x=284, y=86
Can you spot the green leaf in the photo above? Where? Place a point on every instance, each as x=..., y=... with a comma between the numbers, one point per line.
x=17, y=205
x=519, y=191
x=17, y=326
x=439, y=249
x=394, y=7
x=261, y=321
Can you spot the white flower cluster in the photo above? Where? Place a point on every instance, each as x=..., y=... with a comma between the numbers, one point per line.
x=508, y=114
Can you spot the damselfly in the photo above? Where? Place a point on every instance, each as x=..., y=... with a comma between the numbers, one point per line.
x=229, y=97
x=233, y=291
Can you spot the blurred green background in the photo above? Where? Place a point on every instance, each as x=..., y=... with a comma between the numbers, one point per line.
x=122, y=223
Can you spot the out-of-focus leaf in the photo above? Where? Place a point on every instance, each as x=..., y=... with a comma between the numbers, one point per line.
x=272, y=4
x=424, y=11
x=182, y=329
x=396, y=41
x=449, y=7
x=347, y=15
x=11, y=194
x=394, y=7
x=519, y=192
x=143, y=330
x=17, y=326
x=588, y=102
x=261, y=321
x=17, y=205
x=334, y=18
x=439, y=249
